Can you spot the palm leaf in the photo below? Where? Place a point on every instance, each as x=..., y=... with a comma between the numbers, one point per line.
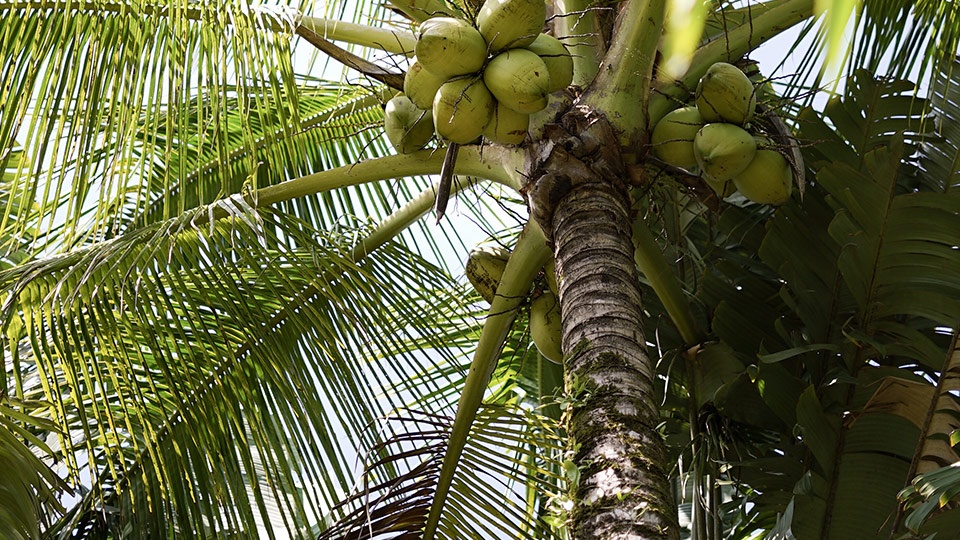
x=31, y=489
x=509, y=451
x=940, y=159
x=932, y=499
x=907, y=39
x=338, y=126
x=892, y=274
x=228, y=114
x=884, y=291
x=925, y=507
x=876, y=110
x=137, y=341
x=92, y=76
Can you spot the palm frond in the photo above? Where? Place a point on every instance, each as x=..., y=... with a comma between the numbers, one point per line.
x=932, y=502
x=338, y=126
x=89, y=83
x=14, y=248
x=510, y=450
x=926, y=503
x=30, y=491
x=822, y=363
x=896, y=269
x=162, y=349
x=901, y=40
x=939, y=164
x=180, y=106
x=874, y=110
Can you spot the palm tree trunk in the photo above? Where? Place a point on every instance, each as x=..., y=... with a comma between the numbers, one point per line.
x=623, y=491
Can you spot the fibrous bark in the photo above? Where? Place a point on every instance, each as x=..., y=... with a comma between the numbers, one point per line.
x=577, y=192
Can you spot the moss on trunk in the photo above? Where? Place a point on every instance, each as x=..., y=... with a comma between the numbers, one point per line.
x=624, y=490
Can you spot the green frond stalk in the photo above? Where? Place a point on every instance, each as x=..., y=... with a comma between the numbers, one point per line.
x=391, y=41
x=576, y=23
x=654, y=267
x=622, y=86
x=495, y=163
x=365, y=67
x=525, y=262
x=501, y=169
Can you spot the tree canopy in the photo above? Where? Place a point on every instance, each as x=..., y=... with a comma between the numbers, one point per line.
x=228, y=311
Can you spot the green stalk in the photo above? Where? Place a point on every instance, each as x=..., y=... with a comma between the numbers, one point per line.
x=650, y=261
x=621, y=89
x=762, y=26
x=498, y=163
x=530, y=496
x=391, y=41
x=577, y=26
x=698, y=523
x=400, y=220
x=525, y=262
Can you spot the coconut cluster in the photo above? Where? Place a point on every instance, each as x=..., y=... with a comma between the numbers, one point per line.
x=482, y=78
x=716, y=137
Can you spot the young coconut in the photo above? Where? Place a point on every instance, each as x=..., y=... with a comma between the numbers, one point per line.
x=519, y=79
x=506, y=126
x=723, y=150
x=545, y=328
x=725, y=94
x=557, y=58
x=507, y=24
x=449, y=47
x=408, y=127
x=420, y=85
x=485, y=268
x=672, y=137
x=462, y=109
x=768, y=179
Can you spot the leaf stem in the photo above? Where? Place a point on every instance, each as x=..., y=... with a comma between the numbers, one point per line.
x=352, y=61
x=391, y=41
x=577, y=26
x=525, y=262
x=650, y=261
x=621, y=89
x=495, y=163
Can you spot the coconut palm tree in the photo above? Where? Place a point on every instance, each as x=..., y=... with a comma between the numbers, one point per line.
x=227, y=314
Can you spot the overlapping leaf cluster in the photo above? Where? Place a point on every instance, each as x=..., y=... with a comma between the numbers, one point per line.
x=832, y=318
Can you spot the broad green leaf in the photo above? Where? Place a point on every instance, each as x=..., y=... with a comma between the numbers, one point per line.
x=790, y=353
x=819, y=432
x=714, y=365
